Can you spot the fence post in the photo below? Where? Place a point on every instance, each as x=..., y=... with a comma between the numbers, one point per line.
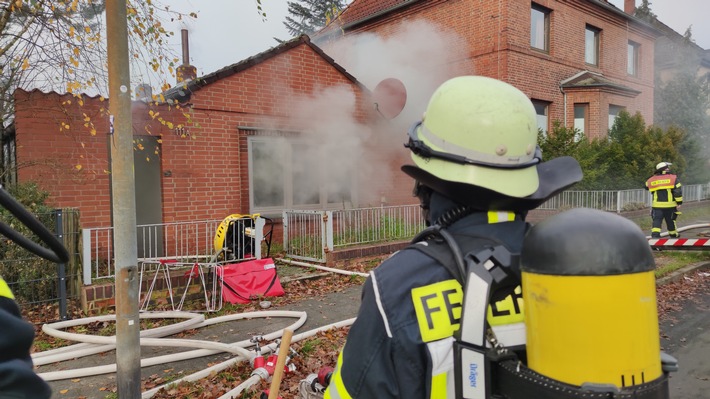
x=328, y=231
x=258, y=236
x=86, y=255
x=61, y=267
x=285, y=230
x=618, y=202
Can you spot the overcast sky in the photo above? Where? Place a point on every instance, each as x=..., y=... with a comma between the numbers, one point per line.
x=228, y=31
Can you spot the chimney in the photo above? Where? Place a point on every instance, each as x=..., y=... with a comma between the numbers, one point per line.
x=144, y=92
x=185, y=71
x=630, y=6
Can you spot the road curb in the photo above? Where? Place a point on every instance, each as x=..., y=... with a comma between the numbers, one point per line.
x=676, y=275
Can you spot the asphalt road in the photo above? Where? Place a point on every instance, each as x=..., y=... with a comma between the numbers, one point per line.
x=685, y=334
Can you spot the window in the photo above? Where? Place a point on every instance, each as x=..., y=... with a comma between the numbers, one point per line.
x=591, y=45
x=9, y=160
x=539, y=28
x=580, y=120
x=541, y=109
x=289, y=172
x=632, y=58
x=614, y=113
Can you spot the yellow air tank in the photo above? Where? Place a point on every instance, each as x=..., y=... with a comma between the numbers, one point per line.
x=590, y=300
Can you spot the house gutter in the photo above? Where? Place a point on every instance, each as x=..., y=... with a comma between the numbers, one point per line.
x=381, y=13
x=621, y=13
x=564, y=105
x=370, y=17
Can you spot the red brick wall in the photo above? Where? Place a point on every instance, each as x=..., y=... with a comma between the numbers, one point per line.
x=204, y=165
x=210, y=171
x=498, y=42
x=62, y=144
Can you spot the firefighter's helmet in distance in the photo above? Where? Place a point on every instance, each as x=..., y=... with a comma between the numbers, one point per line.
x=662, y=166
x=479, y=131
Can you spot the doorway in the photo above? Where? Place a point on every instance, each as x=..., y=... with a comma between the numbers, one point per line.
x=149, y=198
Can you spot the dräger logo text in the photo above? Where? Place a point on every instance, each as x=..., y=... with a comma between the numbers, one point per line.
x=473, y=375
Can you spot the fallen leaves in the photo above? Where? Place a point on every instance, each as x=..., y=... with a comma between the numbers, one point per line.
x=670, y=297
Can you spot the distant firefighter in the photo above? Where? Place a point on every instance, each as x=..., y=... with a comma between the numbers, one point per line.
x=667, y=199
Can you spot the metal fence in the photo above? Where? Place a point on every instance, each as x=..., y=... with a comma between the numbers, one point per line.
x=183, y=241
x=309, y=235
x=369, y=225
x=618, y=201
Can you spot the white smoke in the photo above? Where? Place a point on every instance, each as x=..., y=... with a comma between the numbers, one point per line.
x=352, y=150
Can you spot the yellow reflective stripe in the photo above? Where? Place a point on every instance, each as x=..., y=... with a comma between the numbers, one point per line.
x=670, y=203
x=509, y=310
x=336, y=388
x=438, y=308
x=661, y=183
x=438, y=386
x=5, y=290
x=500, y=216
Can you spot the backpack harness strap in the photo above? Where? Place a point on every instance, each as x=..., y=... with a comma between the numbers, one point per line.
x=484, y=268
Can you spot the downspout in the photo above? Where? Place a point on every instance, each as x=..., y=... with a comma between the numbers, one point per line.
x=564, y=106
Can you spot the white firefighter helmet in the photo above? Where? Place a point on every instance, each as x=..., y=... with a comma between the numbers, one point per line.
x=479, y=131
x=662, y=165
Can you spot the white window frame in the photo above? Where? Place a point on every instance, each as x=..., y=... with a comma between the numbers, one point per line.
x=580, y=123
x=632, y=58
x=591, y=45
x=614, y=113
x=289, y=158
x=542, y=111
x=539, y=28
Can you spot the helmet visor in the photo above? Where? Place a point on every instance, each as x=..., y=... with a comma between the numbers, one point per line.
x=420, y=148
x=520, y=177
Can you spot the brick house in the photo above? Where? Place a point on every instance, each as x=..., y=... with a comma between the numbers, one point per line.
x=295, y=127
x=286, y=128
x=580, y=61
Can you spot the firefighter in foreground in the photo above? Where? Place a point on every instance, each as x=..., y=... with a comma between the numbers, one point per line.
x=667, y=199
x=477, y=171
x=17, y=376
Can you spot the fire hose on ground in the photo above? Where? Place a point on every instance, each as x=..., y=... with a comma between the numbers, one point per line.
x=91, y=344
x=686, y=228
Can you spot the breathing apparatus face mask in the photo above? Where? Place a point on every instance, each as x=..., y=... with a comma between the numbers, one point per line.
x=424, y=194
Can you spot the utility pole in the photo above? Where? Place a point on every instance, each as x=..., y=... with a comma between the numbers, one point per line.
x=124, y=203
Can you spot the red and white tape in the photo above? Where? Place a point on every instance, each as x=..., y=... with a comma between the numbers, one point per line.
x=679, y=242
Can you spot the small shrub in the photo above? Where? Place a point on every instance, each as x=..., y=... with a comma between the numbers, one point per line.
x=32, y=274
